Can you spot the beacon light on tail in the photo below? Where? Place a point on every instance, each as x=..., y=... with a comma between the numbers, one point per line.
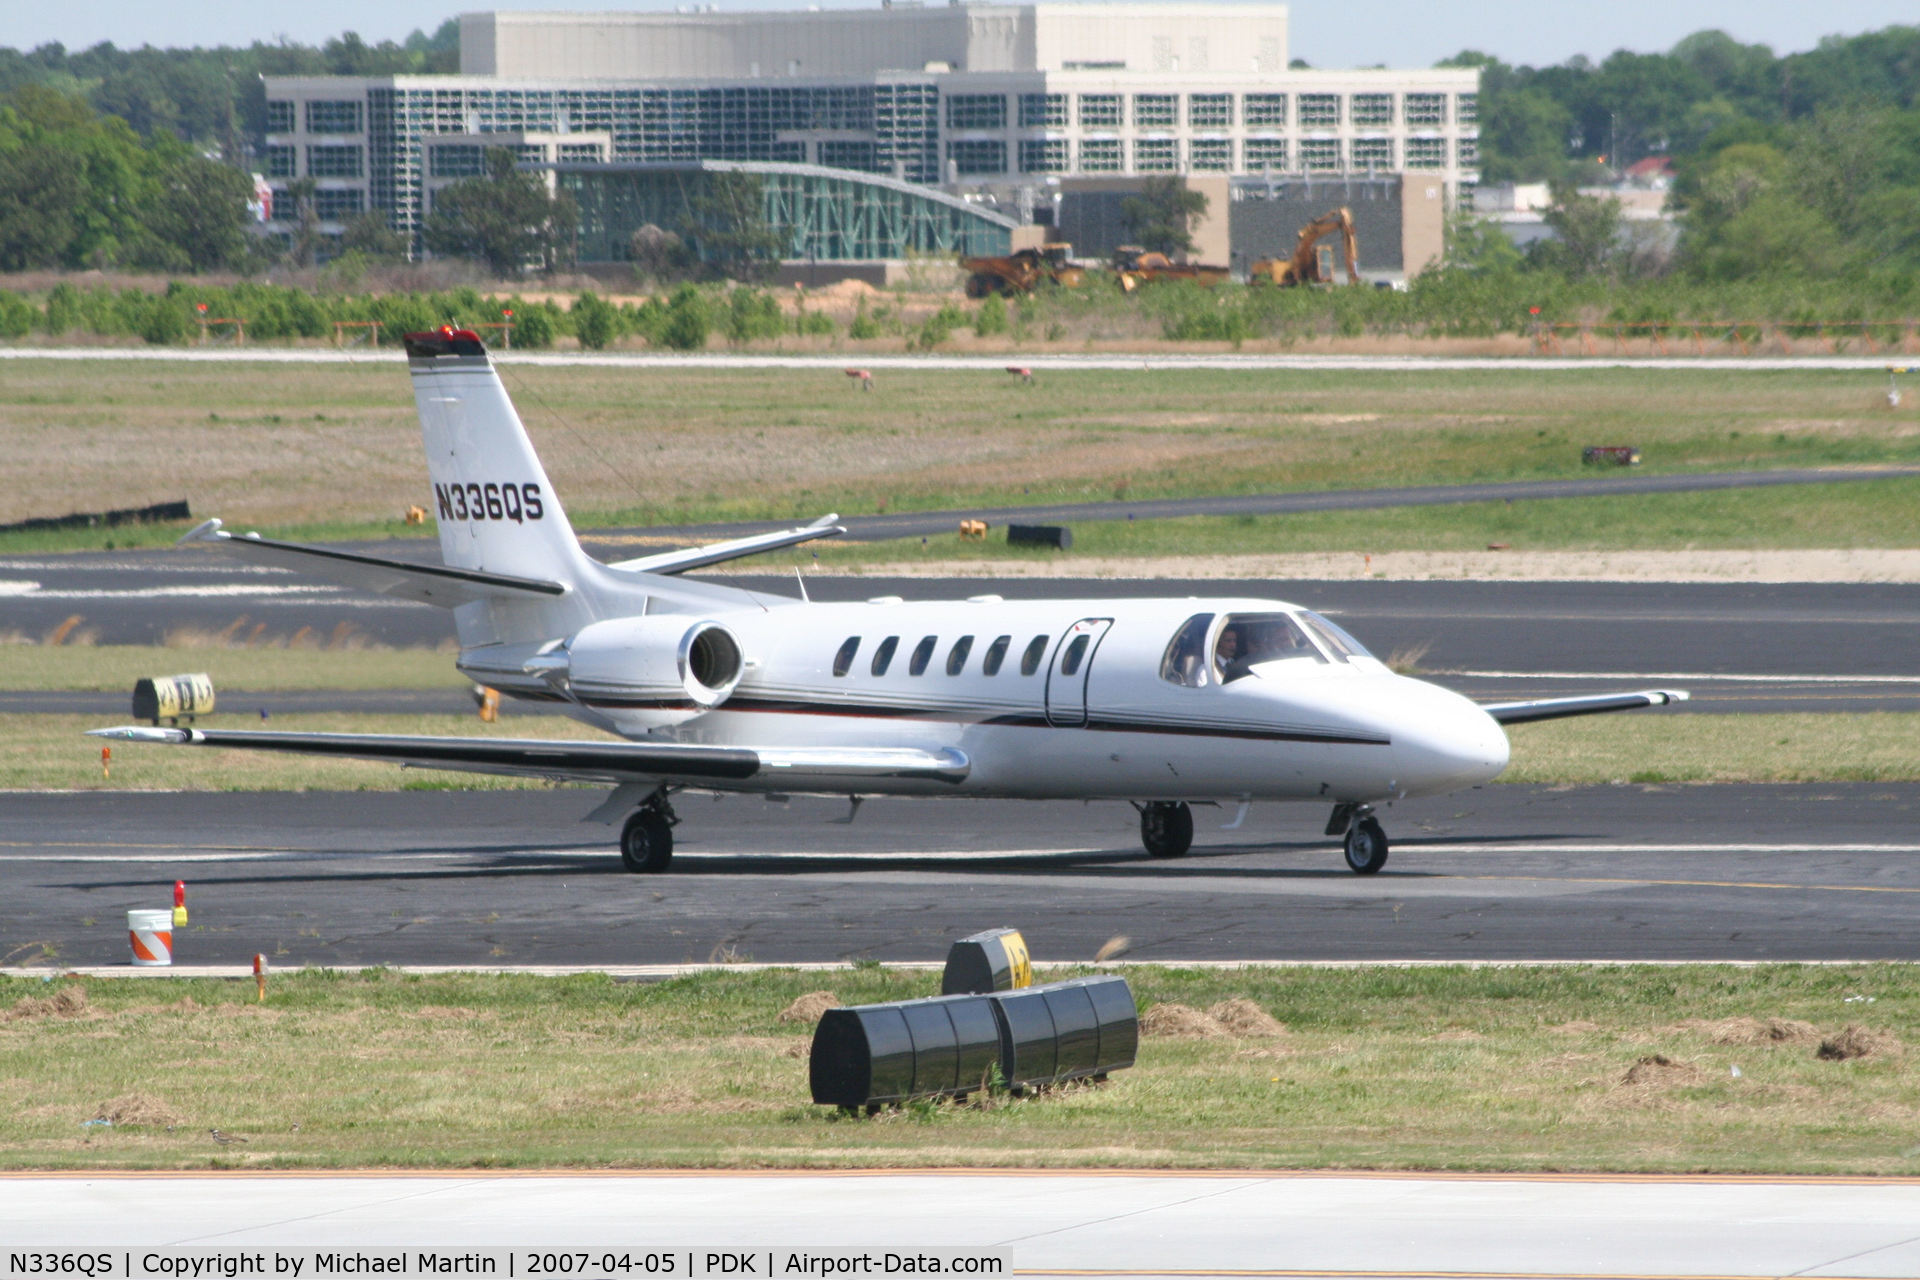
x=1160, y=702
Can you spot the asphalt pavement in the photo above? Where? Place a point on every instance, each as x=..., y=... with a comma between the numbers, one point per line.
x=1739, y=873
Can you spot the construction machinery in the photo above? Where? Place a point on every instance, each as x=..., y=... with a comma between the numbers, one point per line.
x=1023, y=272
x=1134, y=266
x=1304, y=267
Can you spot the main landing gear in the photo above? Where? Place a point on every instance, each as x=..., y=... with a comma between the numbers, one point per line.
x=646, y=842
x=1166, y=828
x=1366, y=843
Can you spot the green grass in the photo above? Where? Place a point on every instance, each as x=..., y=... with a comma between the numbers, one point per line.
x=114, y=668
x=51, y=752
x=1858, y=514
x=1440, y=1068
x=651, y=446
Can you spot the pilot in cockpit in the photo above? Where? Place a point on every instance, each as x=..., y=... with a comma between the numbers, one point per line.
x=1228, y=657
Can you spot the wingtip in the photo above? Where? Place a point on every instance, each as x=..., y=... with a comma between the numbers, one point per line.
x=142, y=733
x=205, y=531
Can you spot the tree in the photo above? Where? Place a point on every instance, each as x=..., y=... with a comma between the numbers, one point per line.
x=1586, y=230
x=1161, y=217
x=199, y=211
x=370, y=235
x=727, y=224
x=506, y=219
x=40, y=198
x=657, y=254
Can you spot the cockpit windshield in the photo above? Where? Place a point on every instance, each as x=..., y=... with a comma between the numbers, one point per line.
x=1336, y=642
x=1248, y=640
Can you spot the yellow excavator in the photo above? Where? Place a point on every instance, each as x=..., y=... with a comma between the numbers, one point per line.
x=1304, y=266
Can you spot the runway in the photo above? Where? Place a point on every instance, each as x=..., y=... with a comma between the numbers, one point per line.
x=1736, y=873
x=1134, y=1226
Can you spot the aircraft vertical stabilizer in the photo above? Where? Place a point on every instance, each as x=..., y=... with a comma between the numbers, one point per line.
x=496, y=509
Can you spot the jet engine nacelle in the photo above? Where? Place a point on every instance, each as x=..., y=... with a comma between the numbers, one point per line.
x=658, y=670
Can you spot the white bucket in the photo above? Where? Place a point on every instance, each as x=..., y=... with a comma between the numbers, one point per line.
x=151, y=935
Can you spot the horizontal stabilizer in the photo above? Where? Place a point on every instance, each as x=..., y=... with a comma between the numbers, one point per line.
x=670, y=562
x=427, y=583
x=1592, y=704
x=692, y=764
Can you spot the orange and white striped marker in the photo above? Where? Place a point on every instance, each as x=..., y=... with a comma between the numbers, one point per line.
x=150, y=933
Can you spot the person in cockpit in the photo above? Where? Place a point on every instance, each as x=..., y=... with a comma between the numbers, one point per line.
x=1229, y=658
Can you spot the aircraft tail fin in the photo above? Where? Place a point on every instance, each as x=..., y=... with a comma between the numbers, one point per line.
x=496, y=509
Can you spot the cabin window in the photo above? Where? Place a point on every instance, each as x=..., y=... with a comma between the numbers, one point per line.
x=1185, y=662
x=884, y=654
x=922, y=654
x=1249, y=640
x=957, y=656
x=1335, y=641
x=1070, y=664
x=1030, y=660
x=996, y=654
x=843, y=660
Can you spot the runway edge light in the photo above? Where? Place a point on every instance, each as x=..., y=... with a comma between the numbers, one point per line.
x=179, y=903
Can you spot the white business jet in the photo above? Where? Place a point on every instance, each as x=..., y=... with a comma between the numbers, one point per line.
x=1165, y=703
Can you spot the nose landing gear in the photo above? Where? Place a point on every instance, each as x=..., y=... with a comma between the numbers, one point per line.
x=1366, y=842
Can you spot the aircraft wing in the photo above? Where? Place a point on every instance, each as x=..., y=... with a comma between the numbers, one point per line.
x=1592, y=704
x=606, y=761
x=670, y=562
x=427, y=583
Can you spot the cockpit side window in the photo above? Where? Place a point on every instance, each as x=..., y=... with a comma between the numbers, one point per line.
x=1247, y=640
x=1185, y=662
x=1332, y=638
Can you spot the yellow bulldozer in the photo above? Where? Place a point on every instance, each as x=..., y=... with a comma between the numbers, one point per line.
x=1304, y=266
x=1134, y=266
x=1023, y=272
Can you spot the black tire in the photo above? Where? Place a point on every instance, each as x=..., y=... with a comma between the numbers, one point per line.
x=980, y=284
x=1366, y=847
x=646, y=844
x=1166, y=828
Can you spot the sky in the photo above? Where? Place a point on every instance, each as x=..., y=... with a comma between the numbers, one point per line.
x=1327, y=33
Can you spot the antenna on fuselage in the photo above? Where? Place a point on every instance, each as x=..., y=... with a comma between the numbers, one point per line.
x=803, y=584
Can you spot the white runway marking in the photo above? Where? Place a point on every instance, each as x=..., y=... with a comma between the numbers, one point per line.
x=18, y=588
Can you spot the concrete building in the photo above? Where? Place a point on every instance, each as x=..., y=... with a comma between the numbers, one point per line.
x=961, y=96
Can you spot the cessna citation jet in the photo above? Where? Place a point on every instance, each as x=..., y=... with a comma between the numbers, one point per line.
x=1165, y=703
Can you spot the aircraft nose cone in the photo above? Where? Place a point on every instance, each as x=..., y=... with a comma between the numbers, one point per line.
x=1444, y=742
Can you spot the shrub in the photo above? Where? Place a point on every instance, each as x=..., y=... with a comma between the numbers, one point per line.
x=16, y=315
x=595, y=322
x=863, y=325
x=752, y=314
x=533, y=326
x=991, y=318
x=688, y=320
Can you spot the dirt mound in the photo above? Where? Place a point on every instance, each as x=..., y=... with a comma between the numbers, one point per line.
x=138, y=1109
x=1245, y=1018
x=810, y=1006
x=1857, y=1042
x=1757, y=1031
x=66, y=1002
x=1180, y=1021
x=1659, y=1069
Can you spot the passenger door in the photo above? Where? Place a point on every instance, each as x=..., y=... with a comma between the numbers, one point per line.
x=1067, y=676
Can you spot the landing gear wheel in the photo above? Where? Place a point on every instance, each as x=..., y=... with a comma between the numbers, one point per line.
x=646, y=842
x=1166, y=828
x=1366, y=847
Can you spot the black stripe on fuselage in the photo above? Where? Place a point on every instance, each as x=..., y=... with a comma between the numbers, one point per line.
x=1017, y=720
